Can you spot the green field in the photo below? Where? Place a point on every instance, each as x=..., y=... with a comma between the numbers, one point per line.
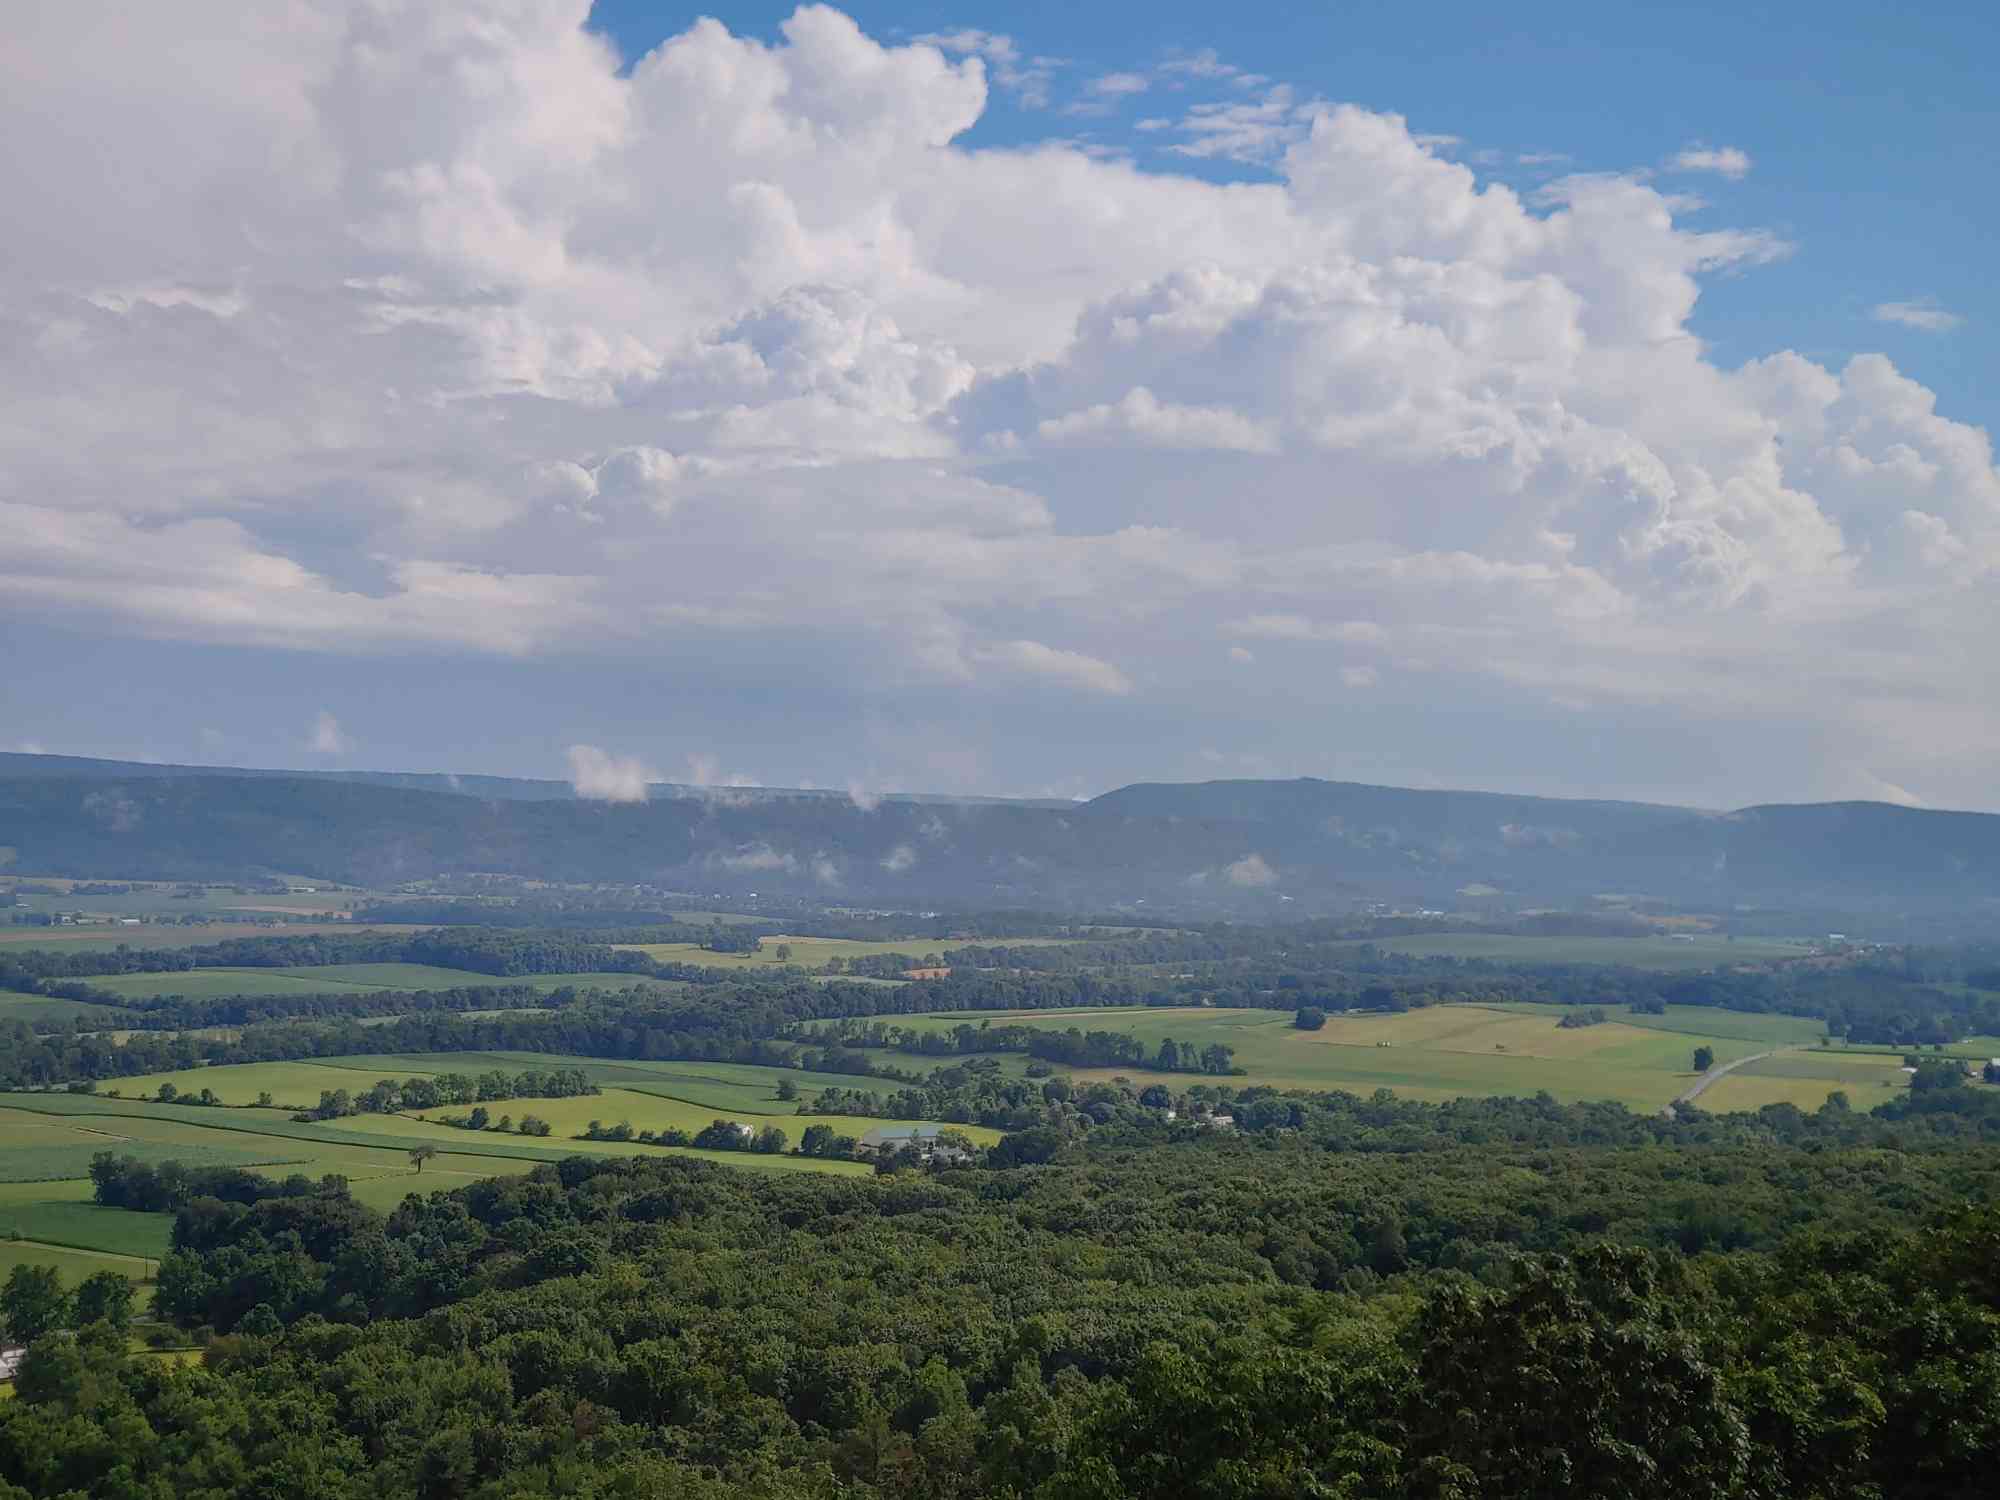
x=62, y=1213
x=104, y=938
x=15, y=1006
x=813, y=953
x=656, y=1111
x=1667, y=954
x=73, y=1265
x=333, y=979
x=1440, y=1052
x=741, y=1086
x=37, y=1148
x=42, y=1133
x=432, y=977
x=372, y=1152
x=1806, y=1078
x=1704, y=1021
x=293, y=1085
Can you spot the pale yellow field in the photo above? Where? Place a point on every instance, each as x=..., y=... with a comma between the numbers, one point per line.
x=1805, y=1078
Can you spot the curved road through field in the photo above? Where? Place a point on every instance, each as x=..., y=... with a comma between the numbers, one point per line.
x=1694, y=1091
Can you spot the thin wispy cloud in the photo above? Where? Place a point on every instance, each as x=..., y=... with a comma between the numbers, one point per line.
x=1207, y=64
x=326, y=737
x=1924, y=315
x=1119, y=85
x=1027, y=78
x=1255, y=132
x=1724, y=161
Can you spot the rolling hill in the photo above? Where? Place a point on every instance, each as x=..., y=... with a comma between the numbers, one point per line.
x=1214, y=845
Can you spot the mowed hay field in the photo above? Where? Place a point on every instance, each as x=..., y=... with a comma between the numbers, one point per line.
x=46, y=1148
x=648, y=1096
x=660, y=1111
x=727, y=1087
x=814, y=953
x=42, y=1133
x=1666, y=954
x=1440, y=1052
x=1702, y=1021
x=1805, y=1078
x=371, y=1152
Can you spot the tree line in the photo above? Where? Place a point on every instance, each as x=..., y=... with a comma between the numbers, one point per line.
x=1212, y=1319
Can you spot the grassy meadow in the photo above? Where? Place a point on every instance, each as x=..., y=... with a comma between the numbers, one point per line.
x=1448, y=1051
x=72, y=1265
x=15, y=1006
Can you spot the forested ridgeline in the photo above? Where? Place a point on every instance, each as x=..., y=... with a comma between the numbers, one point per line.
x=1212, y=1319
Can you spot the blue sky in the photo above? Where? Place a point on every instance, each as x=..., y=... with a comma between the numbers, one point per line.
x=1573, y=399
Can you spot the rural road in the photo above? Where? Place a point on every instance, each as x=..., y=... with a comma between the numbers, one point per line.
x=1693, y=1091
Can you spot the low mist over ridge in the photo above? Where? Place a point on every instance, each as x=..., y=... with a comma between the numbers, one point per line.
x=1226, y=845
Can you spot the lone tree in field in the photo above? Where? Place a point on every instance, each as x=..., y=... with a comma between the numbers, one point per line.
x=787, y=1089
x=1704, y=1059
x=1309, y=1018
x=421, y=1154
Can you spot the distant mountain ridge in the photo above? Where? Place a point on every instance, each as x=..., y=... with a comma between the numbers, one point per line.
x=1231, y=845
x=467, y=784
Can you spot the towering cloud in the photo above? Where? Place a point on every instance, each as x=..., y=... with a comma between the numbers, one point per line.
x=357, y=328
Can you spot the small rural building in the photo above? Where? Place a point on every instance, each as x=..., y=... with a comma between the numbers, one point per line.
x=893, y=1136
x=11, y=1356
x=922, y=1139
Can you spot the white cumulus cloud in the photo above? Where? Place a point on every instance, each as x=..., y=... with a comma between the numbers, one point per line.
x=599, y=776
x=440, y=328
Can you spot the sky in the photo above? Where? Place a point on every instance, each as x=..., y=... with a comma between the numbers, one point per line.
x=1582, y=400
